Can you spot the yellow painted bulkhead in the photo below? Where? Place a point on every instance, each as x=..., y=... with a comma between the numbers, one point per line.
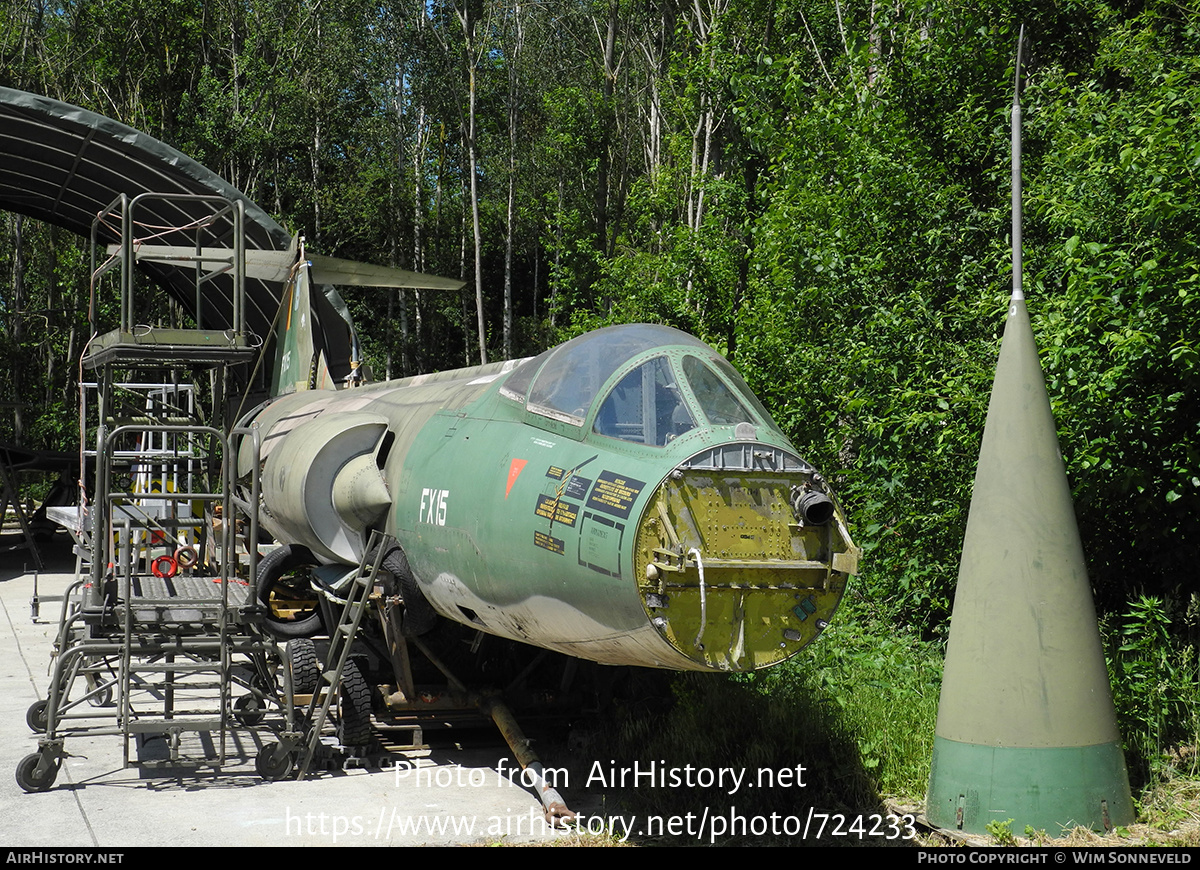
x=730, y=576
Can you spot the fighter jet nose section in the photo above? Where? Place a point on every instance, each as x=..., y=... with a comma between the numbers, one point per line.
x=731, y=572
x=545, y=501
x=323, y=484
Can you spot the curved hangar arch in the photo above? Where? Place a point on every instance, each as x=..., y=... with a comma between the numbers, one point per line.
x=63, y=165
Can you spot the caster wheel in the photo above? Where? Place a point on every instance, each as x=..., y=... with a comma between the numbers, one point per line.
x=103, y=698
x=36, y=717
x=28, y=777
x=272, y=765
x=248, y=710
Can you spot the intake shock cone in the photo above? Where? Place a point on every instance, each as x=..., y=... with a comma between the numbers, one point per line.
x=1026, y=729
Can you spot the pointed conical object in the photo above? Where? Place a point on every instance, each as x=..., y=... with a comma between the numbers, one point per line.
x=1026, y=729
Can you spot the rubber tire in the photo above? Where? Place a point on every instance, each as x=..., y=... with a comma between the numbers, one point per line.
x=270, y=768
x=36, y=717
x=273, y=567
x=27, y=779
x=419, y=615
x=105, y=698
x=354, y=708
x=305, y=667
x=249, y=710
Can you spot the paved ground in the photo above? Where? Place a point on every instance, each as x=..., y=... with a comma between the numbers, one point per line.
x=449, y=795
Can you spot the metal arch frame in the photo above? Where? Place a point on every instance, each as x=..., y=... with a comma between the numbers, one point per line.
x=63, y=164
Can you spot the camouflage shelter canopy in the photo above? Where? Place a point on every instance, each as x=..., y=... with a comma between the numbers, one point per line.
x=63, y=165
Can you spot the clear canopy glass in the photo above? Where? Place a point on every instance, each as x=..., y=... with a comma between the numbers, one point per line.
x=653, y=403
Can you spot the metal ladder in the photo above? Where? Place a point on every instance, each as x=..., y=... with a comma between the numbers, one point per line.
x=163, y=613
x=336, y=672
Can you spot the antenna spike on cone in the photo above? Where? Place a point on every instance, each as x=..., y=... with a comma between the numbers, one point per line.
x=1026, y=728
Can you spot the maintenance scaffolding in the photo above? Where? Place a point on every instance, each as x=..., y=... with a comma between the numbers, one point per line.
x=159, y=636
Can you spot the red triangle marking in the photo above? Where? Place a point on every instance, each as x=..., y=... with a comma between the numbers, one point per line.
x=514, y=471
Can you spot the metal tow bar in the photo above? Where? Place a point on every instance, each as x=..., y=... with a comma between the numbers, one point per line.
x=552, y=802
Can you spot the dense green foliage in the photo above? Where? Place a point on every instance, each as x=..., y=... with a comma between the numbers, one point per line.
x=819, y=190
x=1156, y=687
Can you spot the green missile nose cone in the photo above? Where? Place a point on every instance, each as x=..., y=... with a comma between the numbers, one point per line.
x=1026, y=728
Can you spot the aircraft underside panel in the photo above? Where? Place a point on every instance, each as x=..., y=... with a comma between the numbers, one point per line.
x=555, y=625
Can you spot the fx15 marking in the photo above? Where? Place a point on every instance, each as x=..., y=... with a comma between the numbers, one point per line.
x=433, y=506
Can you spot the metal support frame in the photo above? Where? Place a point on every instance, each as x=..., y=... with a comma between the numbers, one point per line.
x=228, y=217
x=162, y=634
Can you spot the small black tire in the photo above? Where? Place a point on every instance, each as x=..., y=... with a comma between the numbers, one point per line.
x=37, y=717
x=103, y=698
x=272, y=570
x=28, y=778
x=354, y=708
x=419, y=615
x=249, y=710
x=271, y=764
x=305, y=667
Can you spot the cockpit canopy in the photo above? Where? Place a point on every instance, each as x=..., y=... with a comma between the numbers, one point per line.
x=649, y=384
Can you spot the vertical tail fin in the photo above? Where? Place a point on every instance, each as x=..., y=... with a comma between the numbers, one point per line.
x=298, y=366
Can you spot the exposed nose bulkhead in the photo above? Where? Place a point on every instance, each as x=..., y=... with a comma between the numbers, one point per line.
x=731, y=573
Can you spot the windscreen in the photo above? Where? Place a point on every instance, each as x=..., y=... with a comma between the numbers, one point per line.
x=646, y=406
x=569, y=381
x=719, y=403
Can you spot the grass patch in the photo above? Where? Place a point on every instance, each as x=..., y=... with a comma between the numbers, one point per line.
x=881, y=685
x=1153, y=669
x=837, y=728
x=857, y=711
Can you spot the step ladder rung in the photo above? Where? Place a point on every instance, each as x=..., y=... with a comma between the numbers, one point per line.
x=340, y=640
x=145, y=725
x=176, y=668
